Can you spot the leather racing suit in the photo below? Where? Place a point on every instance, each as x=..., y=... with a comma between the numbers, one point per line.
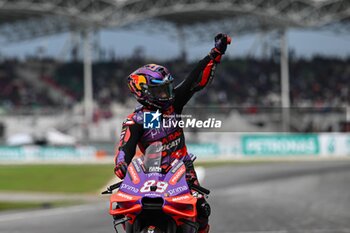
x=133, y=133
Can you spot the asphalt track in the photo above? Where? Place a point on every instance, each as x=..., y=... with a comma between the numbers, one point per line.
x=293, y=197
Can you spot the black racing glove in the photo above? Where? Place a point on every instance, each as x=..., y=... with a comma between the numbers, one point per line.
x=221, y=42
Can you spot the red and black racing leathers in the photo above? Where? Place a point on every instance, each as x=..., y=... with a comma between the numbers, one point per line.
x=174, y=147
x=172, y=138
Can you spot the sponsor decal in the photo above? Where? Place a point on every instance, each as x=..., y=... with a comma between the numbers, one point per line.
x=174, y=162
x=177, y=190
x=154, y=169
x=169, y=145
x=124, y=195
x=133, y=174
x=181, y=198
x=172, y=137
x=155, y=133
x=122, y=135
x=280, y=144
x=139, y=160
x=129, y=188
x=154, y=174
x=176, y=177
x=176, y=167
x=152, y=195
x=136, y=165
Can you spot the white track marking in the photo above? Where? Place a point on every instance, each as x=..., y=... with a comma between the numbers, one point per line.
x=51, y=212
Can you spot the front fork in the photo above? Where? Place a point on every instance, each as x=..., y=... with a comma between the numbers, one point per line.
x=119, y=221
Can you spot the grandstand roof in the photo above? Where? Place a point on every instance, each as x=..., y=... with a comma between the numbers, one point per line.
x=27, y=19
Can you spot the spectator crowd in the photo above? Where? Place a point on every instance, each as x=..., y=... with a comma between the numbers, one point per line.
x=315, y=82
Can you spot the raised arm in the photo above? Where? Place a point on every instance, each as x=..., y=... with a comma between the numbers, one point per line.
x=202, y=74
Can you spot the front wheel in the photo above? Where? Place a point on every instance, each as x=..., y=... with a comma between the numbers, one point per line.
x=151, y=229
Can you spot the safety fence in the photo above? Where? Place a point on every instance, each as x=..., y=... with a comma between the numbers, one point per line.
x=263, y=145
x=276, y=145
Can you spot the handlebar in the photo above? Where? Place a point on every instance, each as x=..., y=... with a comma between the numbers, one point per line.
x=110, y=188
x=200, y=189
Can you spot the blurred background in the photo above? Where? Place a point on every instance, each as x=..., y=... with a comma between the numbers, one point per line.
x=282, y=90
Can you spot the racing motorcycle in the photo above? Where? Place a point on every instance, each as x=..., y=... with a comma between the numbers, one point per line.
x=155, y=200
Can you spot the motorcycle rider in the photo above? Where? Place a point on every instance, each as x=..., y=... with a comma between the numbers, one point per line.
x=152, y=85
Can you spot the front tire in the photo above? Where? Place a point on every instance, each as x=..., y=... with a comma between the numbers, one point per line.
x=151, y=229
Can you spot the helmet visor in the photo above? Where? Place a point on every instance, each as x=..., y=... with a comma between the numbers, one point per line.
x=163, y=92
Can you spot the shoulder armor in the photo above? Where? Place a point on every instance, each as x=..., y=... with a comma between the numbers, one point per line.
x=137, y=115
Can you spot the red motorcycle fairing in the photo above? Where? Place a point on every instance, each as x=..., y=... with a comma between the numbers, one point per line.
x=148, y=195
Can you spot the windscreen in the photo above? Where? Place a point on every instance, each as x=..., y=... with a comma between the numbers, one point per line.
x=153, y=157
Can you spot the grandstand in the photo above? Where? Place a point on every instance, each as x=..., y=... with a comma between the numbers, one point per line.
x=90, y=102
x=317, y=82
x=29, y=19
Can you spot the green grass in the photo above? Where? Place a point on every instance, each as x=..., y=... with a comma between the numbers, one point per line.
x=75, y=178
x=54, y=178
x=31, y=205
